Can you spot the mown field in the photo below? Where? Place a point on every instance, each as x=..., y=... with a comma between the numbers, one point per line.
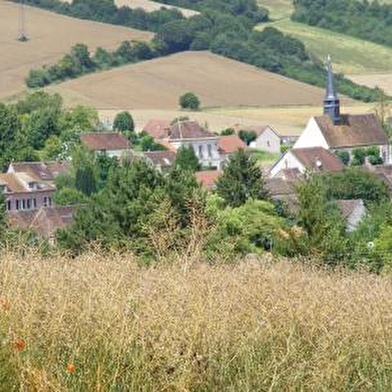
x=101, y=322
x=50, y=36
x=157, y=84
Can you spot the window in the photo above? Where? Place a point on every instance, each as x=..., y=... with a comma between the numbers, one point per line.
x=34, y=203
x=200, y=151
x=50, y=201
x=18, y=204
x=8, y=205
x=23, y=204
x=209, y=150
x=45, y=201
x=268, y=143
x=28, y=204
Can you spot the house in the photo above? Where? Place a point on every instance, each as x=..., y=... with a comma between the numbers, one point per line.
x=157, y=129
x=44, y=222
x=113, y=144
x=267, y=138
x=343, y=132
x=228, y=145
x=352, y=211
x=204, y=143
x=45, y=171
x=304, y=160
x=208, y=178
x=24, y=191
x=161, y=160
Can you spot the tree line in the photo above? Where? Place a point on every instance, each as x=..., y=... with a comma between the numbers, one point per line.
x=224, y=28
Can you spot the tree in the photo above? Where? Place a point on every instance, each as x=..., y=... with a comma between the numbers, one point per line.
x=247, y=136
x=227, y=132
x=186, y=159
x=189, y=101
x=242, y=179
x=69, y=196
x=85, y=180
x=123, y=122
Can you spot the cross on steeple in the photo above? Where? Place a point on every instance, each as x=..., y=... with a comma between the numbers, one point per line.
x=331, y=101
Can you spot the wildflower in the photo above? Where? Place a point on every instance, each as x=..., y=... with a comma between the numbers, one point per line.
x=20, y=344
x=70, y=368
x=4, y=304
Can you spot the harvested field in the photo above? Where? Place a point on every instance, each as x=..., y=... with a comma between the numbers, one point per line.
x=50, y=36
x=383, y=81
x=158, y=83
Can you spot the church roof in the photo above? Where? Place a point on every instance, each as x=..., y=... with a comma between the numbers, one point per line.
x=354, y=130
x=188, y=130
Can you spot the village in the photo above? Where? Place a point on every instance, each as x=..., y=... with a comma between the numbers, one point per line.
x=330, y=142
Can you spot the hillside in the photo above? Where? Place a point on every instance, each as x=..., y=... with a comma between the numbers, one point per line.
x=50, y=36
x=158, y=83
x=101, y=322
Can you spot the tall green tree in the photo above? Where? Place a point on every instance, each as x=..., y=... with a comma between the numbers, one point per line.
x=123, y=122
x=186, y=159
x=242, y=180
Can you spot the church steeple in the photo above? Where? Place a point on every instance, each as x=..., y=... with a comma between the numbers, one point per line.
x=331, y=101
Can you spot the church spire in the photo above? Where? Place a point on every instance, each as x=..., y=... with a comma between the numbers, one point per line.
x=331, y=101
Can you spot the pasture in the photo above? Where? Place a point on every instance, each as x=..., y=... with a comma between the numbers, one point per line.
x=157, y=84
x=50, y=37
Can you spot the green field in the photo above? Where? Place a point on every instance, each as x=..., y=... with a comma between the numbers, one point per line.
x=278, y=9
x=350, y=55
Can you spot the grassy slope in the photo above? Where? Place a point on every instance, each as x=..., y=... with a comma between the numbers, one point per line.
x=249, y=327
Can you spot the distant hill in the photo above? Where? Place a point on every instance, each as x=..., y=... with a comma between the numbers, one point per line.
x=158, y=83
x=51, y=36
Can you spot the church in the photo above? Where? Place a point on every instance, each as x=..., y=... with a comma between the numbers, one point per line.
x=338, y=132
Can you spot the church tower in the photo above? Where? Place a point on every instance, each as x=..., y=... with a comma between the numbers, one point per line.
x=331, y=101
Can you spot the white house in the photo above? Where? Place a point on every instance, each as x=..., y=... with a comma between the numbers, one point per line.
x=303, y=160
x=204, y=143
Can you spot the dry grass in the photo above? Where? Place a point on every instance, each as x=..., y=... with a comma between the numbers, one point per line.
x=157, y=84
x=253, y=326
x=383, y=81
x=51, y=36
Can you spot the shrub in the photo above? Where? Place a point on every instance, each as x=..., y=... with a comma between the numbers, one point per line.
x=189, y=101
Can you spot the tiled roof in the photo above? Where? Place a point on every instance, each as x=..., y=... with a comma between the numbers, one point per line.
x=318, y=159
x=230, y=144
x=279, y=187
x=104, y=141
x=45, y=171
x=157, y=128
x=188, y=130
x=355, y=130
x=207, y=179
x=161, y=158
x=16, y=183
x=257, y=129
x=45, y=221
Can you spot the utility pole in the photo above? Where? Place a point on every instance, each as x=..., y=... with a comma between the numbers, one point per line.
x=22, y=22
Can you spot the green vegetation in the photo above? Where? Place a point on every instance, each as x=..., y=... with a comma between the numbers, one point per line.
x=368, y=20
x=186, y=159
x=350, y=55
x=189, y=101
x=264, y=157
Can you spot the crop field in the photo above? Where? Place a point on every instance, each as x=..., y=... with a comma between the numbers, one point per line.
x=50, y=36
x=278, y=9
x=158, y=83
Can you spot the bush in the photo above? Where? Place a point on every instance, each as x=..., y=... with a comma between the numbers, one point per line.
x=189, y=101
x=344, y=156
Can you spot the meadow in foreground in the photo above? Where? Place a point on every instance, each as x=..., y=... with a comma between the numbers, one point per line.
x=102, y=322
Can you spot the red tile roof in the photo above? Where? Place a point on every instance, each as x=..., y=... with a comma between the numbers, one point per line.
x=105, y=141
x=230, y=144
x=207, y=179
x=45, y=171
x=318, y=159
x=17, y=183
x=355, y=130
x=164, y=159
x=188, y=130
x=157, y=129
